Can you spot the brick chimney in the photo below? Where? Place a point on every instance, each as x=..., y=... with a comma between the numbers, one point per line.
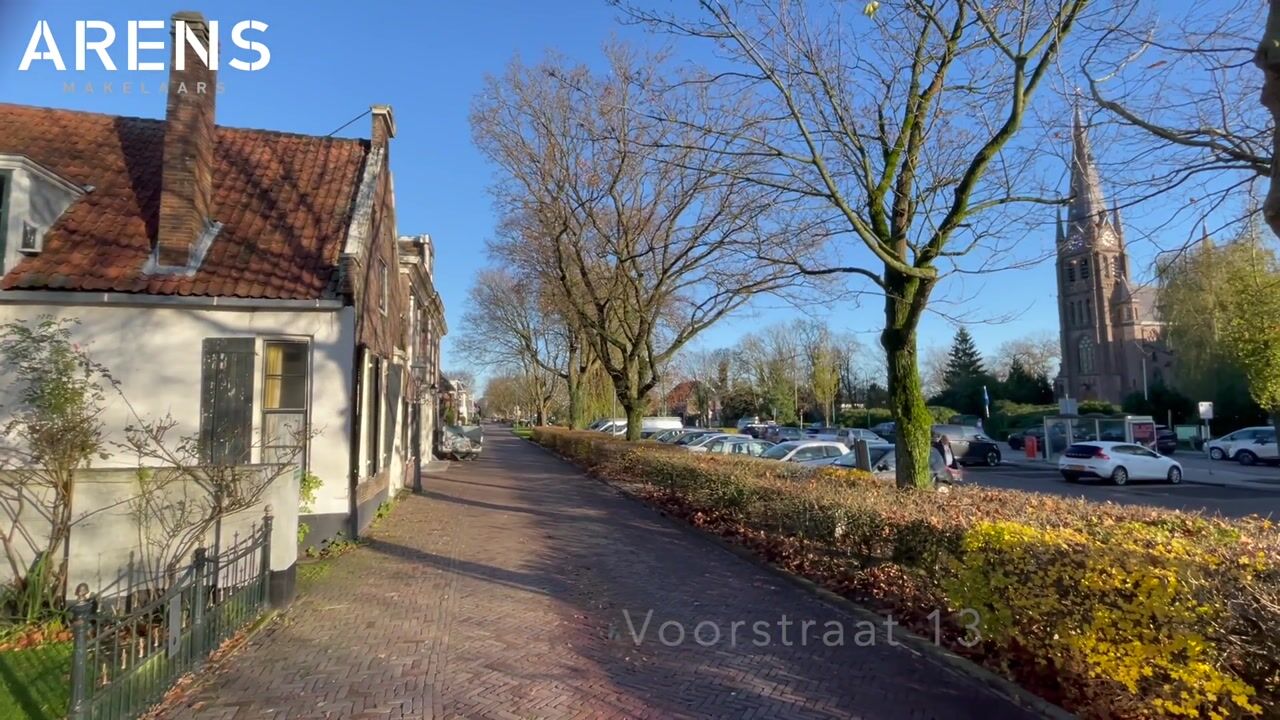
x=186, y=175
x=384, y=125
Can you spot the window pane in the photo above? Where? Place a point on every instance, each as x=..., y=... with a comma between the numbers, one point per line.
x=295, y=359
x=281, y=428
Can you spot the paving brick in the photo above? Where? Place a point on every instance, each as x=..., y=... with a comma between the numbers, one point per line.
x=500, y=592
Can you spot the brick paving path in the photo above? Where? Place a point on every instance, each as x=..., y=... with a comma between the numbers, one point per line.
x=500, y=593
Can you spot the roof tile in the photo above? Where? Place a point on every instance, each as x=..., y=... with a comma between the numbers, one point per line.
x=284, y=201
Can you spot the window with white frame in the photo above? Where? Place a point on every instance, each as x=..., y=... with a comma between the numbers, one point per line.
x=284, y=401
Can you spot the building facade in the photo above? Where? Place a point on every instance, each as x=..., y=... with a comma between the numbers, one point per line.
x=1112, y=340
x=248, y=281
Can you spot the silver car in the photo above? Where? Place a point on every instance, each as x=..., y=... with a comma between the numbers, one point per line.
x=807, y=452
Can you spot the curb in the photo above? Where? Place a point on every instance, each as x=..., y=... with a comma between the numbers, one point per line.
x=1004, y=687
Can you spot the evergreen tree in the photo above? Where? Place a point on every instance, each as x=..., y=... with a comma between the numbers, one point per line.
x=964, y=363
x=1023, y=386
x=964, y=376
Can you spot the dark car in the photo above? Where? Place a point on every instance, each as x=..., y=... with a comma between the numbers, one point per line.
x=970, y=445
x=886, y=430
x=1166, y=440
x=756, y=430
x=1018, y=440
x=780, y=433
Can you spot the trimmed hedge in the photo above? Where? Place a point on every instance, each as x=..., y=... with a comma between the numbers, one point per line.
x=1112, y=611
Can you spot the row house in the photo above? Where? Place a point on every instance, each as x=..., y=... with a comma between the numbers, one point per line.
x=245, y=280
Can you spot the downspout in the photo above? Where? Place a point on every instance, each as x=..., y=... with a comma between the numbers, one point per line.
x=357, y=404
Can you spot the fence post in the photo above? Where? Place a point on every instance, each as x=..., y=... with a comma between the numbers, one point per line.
x=198, y=591
x=80, y=613
x=265, y=571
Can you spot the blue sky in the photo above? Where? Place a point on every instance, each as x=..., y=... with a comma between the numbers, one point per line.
x=331, y=60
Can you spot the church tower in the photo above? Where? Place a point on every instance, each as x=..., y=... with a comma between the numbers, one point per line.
x=1107, y=325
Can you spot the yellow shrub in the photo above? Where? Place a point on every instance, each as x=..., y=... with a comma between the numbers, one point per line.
x=1126, y=607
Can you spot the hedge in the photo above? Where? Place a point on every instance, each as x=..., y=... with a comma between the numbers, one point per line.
x=1112, y=611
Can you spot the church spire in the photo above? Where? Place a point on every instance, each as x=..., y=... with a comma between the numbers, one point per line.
x=1115, y=219
x=1087, y=206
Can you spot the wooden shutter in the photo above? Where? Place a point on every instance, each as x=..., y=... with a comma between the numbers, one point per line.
x=226, y=401
x=395, y=376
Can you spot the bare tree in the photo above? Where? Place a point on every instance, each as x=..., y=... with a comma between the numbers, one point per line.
x=650, y=241
x=933, y=370
x=1179, y=91
x=513, y=320
x=1038, y=353
x=902, y=131
x=1267, y=58
x=185, y=490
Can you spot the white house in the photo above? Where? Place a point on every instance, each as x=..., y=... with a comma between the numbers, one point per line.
x=239, y=279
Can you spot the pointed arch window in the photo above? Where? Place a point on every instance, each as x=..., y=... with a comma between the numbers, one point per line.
x=1120, y=266
x=1084, y=269
x=1085, y=355
x=1071, y=272
x=1088, y=311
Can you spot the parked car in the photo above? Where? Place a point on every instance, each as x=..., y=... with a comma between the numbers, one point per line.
x=819, y=429
x=1256, y=443
x=970, y=444
x=736, y=445
x=1166, y=440
x=667, y=436
x=1018, y=440
x=756, y=430
x=745, y=421
x=884, y=464
x=699, y=444
x=849, y=435
x=1118, y=462
x=807, y=452
x=779, y=433
x=693, y=435
x=885, y=430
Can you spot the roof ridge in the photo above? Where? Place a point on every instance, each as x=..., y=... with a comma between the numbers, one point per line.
x=234, y=128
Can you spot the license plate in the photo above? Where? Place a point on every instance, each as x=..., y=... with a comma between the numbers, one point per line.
x=1077, y=467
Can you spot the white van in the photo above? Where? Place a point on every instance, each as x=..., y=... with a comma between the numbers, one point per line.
x=647, y=425
x=606, y=425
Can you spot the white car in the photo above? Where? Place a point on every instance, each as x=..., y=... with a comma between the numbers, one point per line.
x=1118, y=462
x=700, y=444
x=1248, y=445
x=806, y=452
x=736, y=445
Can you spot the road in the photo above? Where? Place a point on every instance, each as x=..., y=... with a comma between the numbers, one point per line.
x=1261, y=495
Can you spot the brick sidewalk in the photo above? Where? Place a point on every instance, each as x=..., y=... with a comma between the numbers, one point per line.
x=501, y=591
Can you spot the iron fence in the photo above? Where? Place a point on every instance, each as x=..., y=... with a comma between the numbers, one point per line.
x=130, y=648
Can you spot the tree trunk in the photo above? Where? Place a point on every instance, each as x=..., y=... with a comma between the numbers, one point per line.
x=910, y=412
x=1268, y=59
x=635, y=415
x=904, y=303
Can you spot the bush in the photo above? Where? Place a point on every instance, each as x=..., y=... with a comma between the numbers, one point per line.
x=1119, y=612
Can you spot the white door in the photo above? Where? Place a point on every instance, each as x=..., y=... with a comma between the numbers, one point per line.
x=1267, y=447
x=1148, y=465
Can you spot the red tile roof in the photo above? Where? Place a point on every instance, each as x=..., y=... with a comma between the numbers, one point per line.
x=284, y=202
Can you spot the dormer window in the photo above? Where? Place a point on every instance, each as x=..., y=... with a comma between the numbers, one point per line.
x=30, y=242
x=32, y=198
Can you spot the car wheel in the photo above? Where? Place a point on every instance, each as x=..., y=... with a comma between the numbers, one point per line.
x=993, y=458
x=1119, y=476
x=1246, y=457
x=1175, y=475
x=1217, y=454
